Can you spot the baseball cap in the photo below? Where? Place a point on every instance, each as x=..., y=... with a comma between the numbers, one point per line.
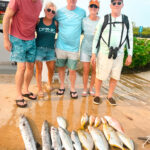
x=114, y=0
x=94, y=2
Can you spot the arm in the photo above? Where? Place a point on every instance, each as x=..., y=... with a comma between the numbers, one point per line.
x=130, y=51
x=6, y=25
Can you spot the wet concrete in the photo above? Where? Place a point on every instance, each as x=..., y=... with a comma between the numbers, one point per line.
x=132, y=110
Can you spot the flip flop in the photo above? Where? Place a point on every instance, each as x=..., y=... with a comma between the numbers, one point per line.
x=60, y=90
x=22, y=101
x=71, y=94
x=91, y=93
x=84, y=93
x=29, y=95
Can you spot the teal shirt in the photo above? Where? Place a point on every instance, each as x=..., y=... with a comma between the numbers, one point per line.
x=70, y=27
x=88, y=27
x=45, y=34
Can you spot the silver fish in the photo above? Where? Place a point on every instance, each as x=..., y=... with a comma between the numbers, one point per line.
x=61, y=122
x=66, y=139
x=56, y=141
x=126, y=141
x=46, y=144
x=84, y=120
x=86, y=140
x=76, y=141
x=98, y=138
x=27, y=134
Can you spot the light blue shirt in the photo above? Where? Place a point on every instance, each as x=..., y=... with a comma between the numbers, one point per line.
x=70, y=27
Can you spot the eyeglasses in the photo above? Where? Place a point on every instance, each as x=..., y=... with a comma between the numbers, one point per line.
x=93, y=6
x=116, y=3
x=49, y=10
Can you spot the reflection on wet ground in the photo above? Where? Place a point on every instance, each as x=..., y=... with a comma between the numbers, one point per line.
x=133, y=109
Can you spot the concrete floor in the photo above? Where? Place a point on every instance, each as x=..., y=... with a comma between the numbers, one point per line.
x=132, y=110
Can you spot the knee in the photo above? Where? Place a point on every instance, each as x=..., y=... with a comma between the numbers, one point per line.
x=21, y=68
x=72, y=72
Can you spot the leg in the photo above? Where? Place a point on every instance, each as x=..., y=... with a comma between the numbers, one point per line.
x=50, y=67
x=72, y=75
x=93, y=76
x=28, y=77
x=86, y=69
x=98, y=84
x=112, y=86
x=39, y=75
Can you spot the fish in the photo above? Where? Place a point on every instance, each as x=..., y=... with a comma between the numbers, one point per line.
x=86, y=140
x=91, y=120
x=97, y=122
x=126, y=141
x=111, y=136
x=84, y=120
x=98, y=138
x=61, y=122
x=46, y=140
x=55, y=137
x=114, y=123
x=65, y=138
x=76, y=141
x=27, y=134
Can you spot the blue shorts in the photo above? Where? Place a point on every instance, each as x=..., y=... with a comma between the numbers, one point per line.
x=85, y=57
x=22, y=51
x=45, y=54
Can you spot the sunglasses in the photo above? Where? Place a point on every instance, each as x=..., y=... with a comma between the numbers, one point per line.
x=93, y=6
x=49, y=10
x=116, y=3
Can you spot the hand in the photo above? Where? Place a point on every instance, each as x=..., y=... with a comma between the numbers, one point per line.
x=93, y=59
x=128, y=60
x=7, y=45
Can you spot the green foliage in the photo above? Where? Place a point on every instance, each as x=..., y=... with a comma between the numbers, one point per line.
x=145, y=33
x=141, y=54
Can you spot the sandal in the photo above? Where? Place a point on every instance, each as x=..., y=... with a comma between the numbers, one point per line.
x=22, y=101
x=60, y=92
x=29, y=95
x=84, y=93
x=92, y=93
x=73, y=93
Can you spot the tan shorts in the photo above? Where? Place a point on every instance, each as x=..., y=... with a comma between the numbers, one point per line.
x=108, y=67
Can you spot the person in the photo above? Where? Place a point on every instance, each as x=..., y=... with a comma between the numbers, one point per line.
x=67, y=45
x=46, y=30
x=109, y=47
x=21, y=17
x=89, y=25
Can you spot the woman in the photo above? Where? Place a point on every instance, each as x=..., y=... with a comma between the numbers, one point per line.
x=46, y=30
x=89, y=26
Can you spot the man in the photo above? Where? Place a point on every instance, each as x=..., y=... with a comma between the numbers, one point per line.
x=67, y=45
x=110, y=43
x=19, y=24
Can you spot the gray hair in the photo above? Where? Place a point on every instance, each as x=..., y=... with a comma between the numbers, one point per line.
x=50, y=4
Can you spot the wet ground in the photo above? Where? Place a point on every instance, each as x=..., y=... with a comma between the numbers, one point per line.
x=132, y=110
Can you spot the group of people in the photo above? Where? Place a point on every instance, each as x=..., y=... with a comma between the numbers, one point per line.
x=102, y=47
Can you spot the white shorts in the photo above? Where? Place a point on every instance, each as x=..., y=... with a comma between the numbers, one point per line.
x=108, y=67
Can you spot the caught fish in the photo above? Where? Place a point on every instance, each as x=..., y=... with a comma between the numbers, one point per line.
x=91, y=120
x=111, y=136
x=27, y=134
x=114, y=123
x=76, y=141
x=46, y=144
x=62, y=122
x=84, y=120
x=56, y=141
x=97, y=122
x=126, y=141
x=98, y=138
x=86, y=140
x=66, y=139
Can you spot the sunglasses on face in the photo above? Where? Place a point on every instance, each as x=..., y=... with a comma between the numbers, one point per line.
x=116, y=3
x=93, y=6
x=49, y=10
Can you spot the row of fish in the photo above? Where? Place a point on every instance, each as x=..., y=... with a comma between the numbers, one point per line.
x=60, y=138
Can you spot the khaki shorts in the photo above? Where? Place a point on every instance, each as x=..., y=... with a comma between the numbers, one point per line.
x=108, y=67
x=65, y=58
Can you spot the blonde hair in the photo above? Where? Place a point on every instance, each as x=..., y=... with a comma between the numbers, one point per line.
x=50, y=4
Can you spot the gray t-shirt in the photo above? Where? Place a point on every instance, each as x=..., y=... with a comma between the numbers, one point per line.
x=88, y=27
